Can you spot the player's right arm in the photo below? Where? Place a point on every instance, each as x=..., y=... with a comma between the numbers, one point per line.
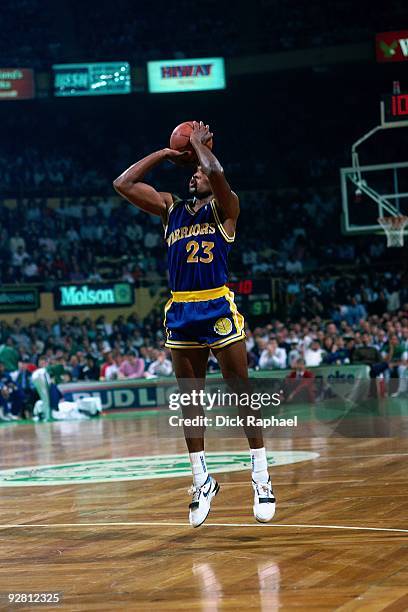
x=130, y=183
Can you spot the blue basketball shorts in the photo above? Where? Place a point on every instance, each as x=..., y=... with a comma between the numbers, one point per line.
x=200, y=319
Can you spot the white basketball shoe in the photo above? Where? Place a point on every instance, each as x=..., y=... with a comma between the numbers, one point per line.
x=264, y=501
x=201, y=503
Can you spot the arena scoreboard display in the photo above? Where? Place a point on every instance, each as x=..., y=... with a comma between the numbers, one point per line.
x=99, y=79
x=253, y=296
x=395, y=108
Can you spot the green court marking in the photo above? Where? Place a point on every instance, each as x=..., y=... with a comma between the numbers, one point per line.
x=137, y=468
x=111, y=416
x=132, y=414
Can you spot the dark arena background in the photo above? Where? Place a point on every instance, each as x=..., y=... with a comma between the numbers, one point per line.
x=308, y=104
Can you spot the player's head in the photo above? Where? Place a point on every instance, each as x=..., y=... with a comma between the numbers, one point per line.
x=199, y=185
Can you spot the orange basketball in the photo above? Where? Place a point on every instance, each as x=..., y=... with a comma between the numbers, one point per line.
x=180, y=138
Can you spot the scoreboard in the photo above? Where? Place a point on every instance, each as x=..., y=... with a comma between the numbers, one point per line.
x=395, y=108
x=253, y=297
x=103, y=78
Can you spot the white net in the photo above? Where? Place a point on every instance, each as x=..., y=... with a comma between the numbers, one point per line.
x=394, y=229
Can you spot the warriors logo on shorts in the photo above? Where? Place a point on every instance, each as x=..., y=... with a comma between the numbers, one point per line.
x=223, y=326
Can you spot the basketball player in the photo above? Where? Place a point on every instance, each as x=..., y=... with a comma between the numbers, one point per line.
x=201, y=314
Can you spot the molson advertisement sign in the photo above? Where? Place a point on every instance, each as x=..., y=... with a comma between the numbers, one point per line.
x=84, y=296
x=16, y=84
x=392, y=46
x=186, y=75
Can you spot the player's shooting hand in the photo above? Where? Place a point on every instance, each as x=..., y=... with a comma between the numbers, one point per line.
x=201, y=133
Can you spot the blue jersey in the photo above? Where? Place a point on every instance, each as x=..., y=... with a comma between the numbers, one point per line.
x=197, y=247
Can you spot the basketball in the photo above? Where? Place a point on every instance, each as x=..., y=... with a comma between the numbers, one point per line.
x=180, y=138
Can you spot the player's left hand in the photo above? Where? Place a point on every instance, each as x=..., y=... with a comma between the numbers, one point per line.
x=201, y=133
x=173, y=155
x=180, y=158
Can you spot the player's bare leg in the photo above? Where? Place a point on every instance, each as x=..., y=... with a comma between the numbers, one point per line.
x=190, y=367
x=234, y=368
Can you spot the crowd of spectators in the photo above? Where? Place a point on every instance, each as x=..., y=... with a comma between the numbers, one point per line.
x=79, y=241
x=48, y=171
x=380, y=342
x=130, y=348
x=91, y=239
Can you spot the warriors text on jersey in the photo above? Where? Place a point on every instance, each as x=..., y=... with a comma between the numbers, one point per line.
x=198, y=247
x=201, y=311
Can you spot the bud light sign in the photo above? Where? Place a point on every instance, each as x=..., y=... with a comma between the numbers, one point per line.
x=186, y=75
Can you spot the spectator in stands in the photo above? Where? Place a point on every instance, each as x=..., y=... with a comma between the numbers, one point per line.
x=397, y=359
x=161, y=366
x=404, y=337
x=9, y=355
x=22, y=379
x=11, y=397
x=367, y=354
x=339, y=353
x=30, y=272
x=103, y=326
x=331, y=330
x=74, y=368
x=299, y=384
x=293, y=266
x=294, y=353
x=328, y=344
x=273, y=357
x=109, y=368
x=90, y=370
x=17, y=242
x=132, y=366
x=355, y=312
x=19, y=258
x=314, y=354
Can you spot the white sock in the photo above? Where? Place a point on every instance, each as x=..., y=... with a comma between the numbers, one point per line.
x=199, y=468
x=259, y=464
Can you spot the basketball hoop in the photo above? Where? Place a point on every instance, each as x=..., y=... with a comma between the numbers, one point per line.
x=394, y=229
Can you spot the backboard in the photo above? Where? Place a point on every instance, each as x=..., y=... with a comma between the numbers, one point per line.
x=379, y=190
x=370, y=192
